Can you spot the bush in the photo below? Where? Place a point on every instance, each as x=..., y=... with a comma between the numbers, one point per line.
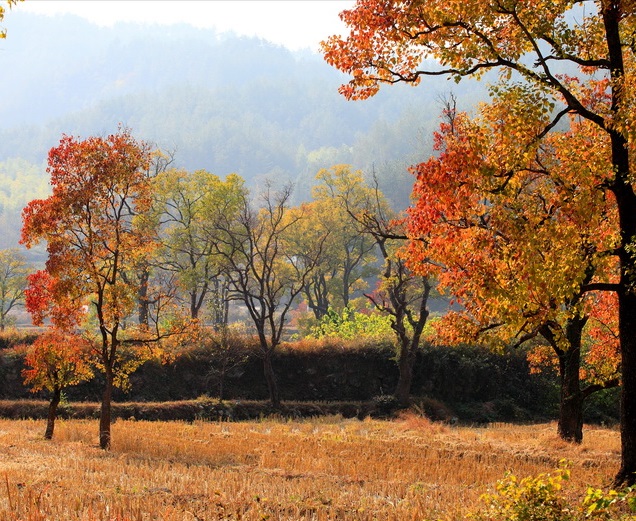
x=12, y=337
x=434, y=410
x=602, y=407
x=531, y=499
x=351, y=325
x=542, y=498
x=385, y=405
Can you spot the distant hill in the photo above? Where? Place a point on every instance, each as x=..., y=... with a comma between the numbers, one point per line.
x=226, y=104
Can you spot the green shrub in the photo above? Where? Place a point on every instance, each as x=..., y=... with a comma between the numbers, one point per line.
x=351, y=325
x=612, y=505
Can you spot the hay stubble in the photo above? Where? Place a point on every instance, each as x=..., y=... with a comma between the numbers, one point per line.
x=322, y=469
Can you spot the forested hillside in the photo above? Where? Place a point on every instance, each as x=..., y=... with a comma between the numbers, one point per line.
x=225, y=104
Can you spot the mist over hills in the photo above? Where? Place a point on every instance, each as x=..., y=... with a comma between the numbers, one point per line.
x=221, y=103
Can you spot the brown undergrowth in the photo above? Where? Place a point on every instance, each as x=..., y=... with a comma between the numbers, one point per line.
x=327, y=468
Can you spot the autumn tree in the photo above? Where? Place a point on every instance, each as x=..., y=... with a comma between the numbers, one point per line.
x=518, y=238
x=313, y=229
x=187, y=206
x=55, y=361
x=93, y=228
x=531, y=44
x=265, y=273
x=402, y=293
x=143, y=274
x=348, y=254
x=13, y=281
x=356, y=224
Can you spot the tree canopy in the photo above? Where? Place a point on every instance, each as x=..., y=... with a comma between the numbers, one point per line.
x=556, y=59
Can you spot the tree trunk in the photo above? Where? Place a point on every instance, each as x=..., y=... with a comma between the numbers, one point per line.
x=570, y=427
x=105, y=414
x=627, y=330
x=225, y=314
x=406, y=361
x=345, y=288
x=142, y=297
x=50, y=423
x=317, y=296
x=626, y=203
x=270, y=378
x=194, y=308
x=623, y=189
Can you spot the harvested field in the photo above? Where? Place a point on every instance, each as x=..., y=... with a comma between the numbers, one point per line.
x=326, y=468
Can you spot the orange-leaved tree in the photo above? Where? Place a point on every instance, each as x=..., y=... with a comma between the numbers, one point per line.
x=519, y=237
x=530, y=43
x=55, y=361
x=96, y=236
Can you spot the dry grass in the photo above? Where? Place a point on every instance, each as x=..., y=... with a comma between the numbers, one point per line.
x=327, y=468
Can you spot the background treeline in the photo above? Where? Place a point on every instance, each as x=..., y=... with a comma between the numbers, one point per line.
x=224, y=104
x=467, y=384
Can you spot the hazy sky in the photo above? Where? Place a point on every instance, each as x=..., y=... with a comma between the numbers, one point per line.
x=293, y=23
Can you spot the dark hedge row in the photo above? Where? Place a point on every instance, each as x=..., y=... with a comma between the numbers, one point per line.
x=468, y=383
x=206, y=409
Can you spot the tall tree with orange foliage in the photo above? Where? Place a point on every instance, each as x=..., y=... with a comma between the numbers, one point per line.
x=530, y=43
x=95, y=235
x=518, y=238
x=55, y=361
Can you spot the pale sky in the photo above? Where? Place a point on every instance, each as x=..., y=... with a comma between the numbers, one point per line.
x=295, y=24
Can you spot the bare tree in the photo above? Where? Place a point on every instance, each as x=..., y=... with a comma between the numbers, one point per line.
x=402, y=294
x=264, y=273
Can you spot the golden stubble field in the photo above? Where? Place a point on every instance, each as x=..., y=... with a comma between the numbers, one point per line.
x=329, y=468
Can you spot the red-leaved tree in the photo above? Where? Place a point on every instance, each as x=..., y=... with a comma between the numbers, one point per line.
x=55, y=361
x=96, y=236
x=530, y=44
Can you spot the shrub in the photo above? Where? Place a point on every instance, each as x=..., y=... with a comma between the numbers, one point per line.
x=530, y=499
x=608, y=505
x=351, y=324
x=542, y=498
x=385, y=405
x=12, y=337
